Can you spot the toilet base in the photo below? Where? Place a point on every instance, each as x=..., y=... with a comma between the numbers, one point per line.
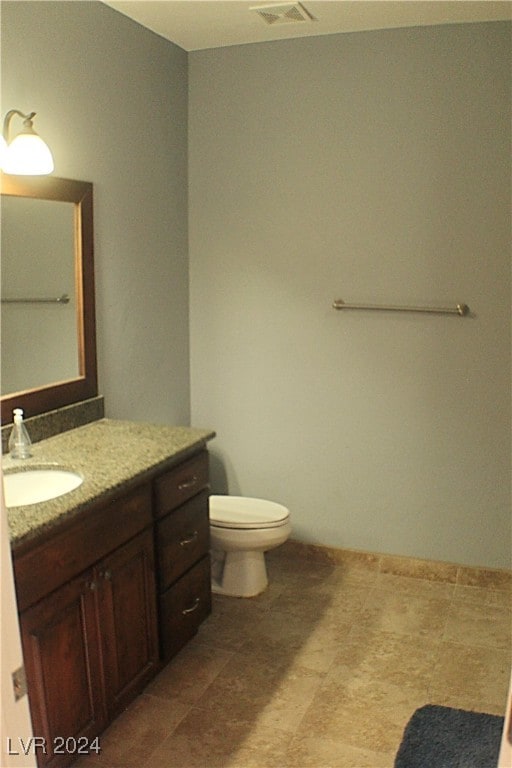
x=244, y=574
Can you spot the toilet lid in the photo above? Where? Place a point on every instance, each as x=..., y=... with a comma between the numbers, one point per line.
x=245, y=512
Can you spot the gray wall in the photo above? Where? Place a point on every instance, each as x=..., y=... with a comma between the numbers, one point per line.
x=111, y=99
x=372, y=167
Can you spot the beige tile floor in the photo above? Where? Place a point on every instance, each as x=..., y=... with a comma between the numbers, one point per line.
x=321, y=671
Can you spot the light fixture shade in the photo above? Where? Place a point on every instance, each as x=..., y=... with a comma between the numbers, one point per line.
x=3, y=150
x=27, y=155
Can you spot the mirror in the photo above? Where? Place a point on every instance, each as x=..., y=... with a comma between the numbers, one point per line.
x=48, y=315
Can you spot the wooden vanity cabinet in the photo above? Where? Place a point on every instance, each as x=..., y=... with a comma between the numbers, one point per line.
x=108, y=596
x=91, y=645
x=182, y=537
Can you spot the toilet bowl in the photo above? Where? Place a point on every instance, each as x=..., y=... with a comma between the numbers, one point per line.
x=242, y=529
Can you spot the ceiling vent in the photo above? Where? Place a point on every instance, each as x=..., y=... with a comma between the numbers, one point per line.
x=290, y=13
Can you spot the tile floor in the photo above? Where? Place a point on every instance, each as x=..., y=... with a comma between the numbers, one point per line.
x=321, y=671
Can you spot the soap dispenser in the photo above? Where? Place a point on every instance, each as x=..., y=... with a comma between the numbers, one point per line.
x=19, y=441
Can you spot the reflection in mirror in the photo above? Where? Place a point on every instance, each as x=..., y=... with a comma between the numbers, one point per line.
x=37, y=270
x=48, y=323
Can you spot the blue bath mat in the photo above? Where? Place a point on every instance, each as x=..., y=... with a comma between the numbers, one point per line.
x=442, y=737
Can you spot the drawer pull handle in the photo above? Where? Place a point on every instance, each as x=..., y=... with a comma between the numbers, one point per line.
x=188, y=483
x=192, y=537
x=192, y=608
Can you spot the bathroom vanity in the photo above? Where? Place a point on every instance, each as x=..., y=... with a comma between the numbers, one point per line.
x=113, y=578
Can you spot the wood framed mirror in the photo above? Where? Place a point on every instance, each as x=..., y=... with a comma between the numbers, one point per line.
x=47, y=268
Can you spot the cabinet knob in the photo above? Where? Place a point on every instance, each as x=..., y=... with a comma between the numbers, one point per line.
x=92, y=586
x=107, y=575
x=192, y=607
x=190, y=538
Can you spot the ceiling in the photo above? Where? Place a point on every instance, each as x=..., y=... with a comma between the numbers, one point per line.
x=199, y=24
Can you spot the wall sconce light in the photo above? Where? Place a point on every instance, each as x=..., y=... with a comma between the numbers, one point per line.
x=27, y=154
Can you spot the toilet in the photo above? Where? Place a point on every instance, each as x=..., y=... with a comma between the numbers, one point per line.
x=242, y=529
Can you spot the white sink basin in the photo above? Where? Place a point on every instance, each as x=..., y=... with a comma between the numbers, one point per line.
x=32, y=486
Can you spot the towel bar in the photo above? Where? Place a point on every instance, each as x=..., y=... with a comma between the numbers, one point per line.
x=459, y=309
x=64, y=299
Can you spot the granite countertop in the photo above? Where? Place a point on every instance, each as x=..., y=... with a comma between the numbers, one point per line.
x=108, y=454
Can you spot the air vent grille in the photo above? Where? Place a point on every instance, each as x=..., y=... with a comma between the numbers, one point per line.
x=283, y=14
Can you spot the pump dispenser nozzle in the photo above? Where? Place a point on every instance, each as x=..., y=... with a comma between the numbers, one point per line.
x=19, y=440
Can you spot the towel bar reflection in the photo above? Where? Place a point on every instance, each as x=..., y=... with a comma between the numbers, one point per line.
x=459, y=309
x=64, y=299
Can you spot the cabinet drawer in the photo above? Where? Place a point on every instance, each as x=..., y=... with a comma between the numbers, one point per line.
x=183, y=607
x=182, y=538
x=181, y=483
x=94, y=534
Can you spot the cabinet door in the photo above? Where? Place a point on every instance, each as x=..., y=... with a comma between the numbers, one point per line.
x=63, y=667
x=127, y=611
